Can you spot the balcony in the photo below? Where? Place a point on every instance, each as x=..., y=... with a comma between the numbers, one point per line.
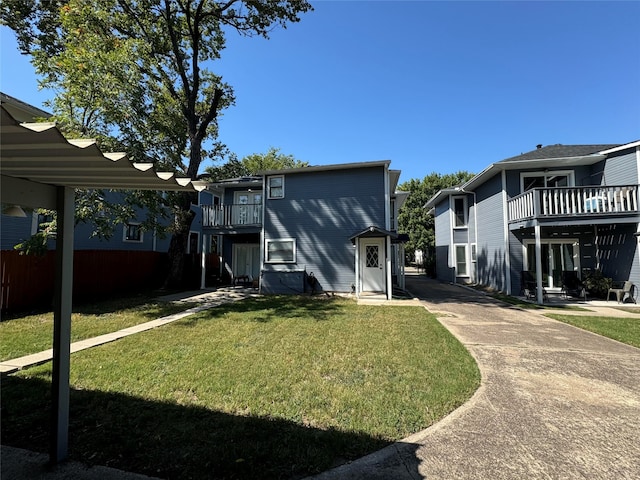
x=231, y=216
x=554, y=203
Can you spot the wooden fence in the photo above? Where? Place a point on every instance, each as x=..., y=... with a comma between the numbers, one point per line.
x=28, y=280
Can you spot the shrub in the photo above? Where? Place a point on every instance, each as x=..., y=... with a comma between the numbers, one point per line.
x=597, y=284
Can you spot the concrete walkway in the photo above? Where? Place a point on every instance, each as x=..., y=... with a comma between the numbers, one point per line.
x=20, y=464
x=205, y=299
x=555, y=401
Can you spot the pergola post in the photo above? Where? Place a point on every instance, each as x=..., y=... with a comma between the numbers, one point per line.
x=62, y=326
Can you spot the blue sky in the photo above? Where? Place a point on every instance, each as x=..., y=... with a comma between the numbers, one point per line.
x=431, y=86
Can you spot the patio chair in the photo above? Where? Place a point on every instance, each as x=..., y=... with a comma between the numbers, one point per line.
x=572, y=285
x=529, y=287
x=622, y=290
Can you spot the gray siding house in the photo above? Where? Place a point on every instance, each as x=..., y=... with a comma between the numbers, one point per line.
x=325, y=228
x=539, y=216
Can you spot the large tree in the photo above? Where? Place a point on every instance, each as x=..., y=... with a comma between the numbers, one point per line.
x=414, y=219
x=137, y=75
x=252, y=164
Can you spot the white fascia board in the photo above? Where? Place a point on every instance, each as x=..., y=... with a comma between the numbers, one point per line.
x=621, y=147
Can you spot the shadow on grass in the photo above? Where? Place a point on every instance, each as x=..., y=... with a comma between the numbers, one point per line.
x=269, y=308
x=172, y=441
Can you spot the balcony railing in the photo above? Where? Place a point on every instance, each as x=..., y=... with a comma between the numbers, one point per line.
x=231, y=215
x=573, y=201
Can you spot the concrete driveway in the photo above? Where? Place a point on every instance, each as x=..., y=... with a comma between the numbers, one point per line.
x=556, y=402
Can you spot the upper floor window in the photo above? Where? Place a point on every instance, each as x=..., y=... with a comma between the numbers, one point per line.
x=460, y=212
x=132, y=233
x=531, y=180
x=275, y=186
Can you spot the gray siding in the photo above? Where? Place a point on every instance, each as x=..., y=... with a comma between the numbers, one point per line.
x=321, y=211
x=491, y=266
x=621, y=169
x=442, y=223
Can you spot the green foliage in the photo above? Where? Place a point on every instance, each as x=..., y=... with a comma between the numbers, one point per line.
x=252, y=164
x=136, y=75
x=597, y=284
x=414, y=219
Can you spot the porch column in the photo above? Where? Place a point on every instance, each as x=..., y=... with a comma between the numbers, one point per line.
x=388, y=267
x=62, y=327
x=203, y=262
x=357, y=260
x=539, y=295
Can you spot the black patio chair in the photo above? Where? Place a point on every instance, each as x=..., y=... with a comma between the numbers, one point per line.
x=572, y=285
x=529, y=286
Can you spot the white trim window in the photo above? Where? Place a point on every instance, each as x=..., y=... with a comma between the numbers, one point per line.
x=549, y=179
x=459, y=210
x=462, y=264
x=132, y=233
x=275, y=187
x=281, y=250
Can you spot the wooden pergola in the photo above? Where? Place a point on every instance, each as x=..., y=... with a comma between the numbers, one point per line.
x=40, y=168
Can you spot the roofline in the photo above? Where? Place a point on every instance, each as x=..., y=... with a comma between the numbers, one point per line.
x=621, y=147
x=25, y=107
x=323, y=168
x=445, y=191
x=533, y=163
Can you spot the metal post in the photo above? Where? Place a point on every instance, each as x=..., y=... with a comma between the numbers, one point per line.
x=539, y=292
x=204, y=262
x=62, y=326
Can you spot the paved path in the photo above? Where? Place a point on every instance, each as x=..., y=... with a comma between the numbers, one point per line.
x=555, y=402
x=205, y=300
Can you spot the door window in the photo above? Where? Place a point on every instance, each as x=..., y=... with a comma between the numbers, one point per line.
x=372, y=256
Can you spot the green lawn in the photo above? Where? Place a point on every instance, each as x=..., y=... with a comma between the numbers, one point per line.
x=34, y=333
x=274, y=387
x=625, y=330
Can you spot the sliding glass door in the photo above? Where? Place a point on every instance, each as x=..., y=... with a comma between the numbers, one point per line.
x=557, y=256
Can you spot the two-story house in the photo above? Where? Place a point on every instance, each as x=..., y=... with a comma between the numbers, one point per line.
x=325, y=228
x=556, y=209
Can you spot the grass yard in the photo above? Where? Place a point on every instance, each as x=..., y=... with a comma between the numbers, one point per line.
x=625, y=330
x=273, y=387
x=34, y=333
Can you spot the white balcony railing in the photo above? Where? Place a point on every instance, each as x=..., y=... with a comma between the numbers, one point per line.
x=231, y=215
x=572, y=201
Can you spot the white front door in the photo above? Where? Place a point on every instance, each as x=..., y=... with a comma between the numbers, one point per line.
x=372, y=265
x=246, y=260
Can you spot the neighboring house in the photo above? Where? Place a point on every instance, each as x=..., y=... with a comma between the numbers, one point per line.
x=326, y=228
x=559, y=208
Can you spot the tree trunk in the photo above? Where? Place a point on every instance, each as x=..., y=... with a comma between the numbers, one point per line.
x=178, y=245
